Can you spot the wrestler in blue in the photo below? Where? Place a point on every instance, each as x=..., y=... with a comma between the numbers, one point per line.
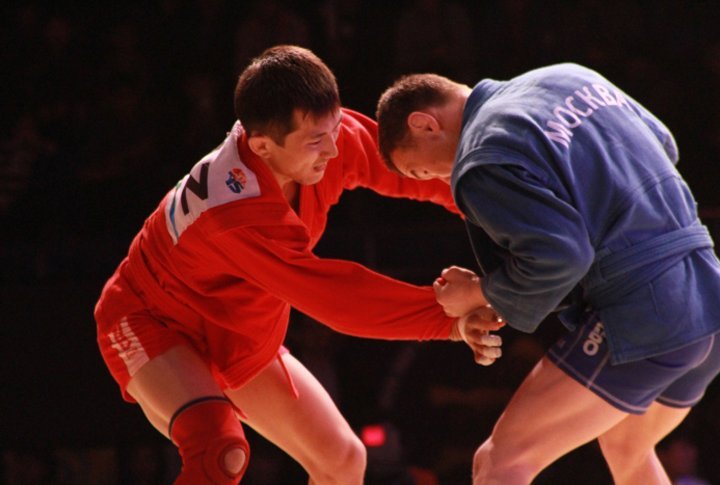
x=574, y=205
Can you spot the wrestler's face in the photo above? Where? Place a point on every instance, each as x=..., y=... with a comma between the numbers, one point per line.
x=306, y=151
x=425, y=160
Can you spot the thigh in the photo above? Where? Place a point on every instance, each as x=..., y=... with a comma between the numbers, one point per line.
x=549, y=415
x=129, y=342
x=307, y=426
x=644, y=431
x=170, y=380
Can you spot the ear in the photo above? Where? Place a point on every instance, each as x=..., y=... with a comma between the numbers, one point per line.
x=422, y=122
x=260, y=145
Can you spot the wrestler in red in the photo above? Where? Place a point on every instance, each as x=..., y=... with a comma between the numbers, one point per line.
x=192, y=323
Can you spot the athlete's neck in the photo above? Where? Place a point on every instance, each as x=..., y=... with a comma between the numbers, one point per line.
x=291, y=191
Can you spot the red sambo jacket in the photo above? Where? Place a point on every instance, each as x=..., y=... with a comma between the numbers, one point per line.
x=224, y=256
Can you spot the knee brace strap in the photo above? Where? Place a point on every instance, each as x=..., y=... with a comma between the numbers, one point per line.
x=205, y=430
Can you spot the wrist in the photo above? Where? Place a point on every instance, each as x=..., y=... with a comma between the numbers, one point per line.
x=479, y=294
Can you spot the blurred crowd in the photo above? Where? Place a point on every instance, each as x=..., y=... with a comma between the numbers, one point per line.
x=107, y=104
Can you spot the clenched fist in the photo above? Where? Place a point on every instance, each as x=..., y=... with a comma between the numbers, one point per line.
x=458, y=291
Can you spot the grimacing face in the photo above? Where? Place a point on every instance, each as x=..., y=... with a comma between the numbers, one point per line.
x=304, y=156
x=424, y=161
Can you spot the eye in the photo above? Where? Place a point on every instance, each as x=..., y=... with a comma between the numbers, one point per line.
x=415, y=175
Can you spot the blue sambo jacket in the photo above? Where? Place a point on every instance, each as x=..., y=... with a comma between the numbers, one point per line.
x=574, y=186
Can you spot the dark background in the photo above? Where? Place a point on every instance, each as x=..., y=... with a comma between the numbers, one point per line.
x=106, y=105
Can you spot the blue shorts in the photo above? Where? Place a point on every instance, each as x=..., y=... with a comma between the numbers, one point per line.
x=678, y=378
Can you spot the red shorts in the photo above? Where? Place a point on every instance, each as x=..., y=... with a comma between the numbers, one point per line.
x=130, y=334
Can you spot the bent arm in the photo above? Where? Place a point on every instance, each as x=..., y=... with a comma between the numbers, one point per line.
x=546, y=239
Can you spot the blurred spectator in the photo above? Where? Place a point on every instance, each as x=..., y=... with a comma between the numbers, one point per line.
x=200, y=105
x=143, y=464
x=19, y=155
x=697, y=116
x=121, y=151
x=86, y=467
x=435, y=36
x=318, y=348
x=101, y=104
x=516, y=35
x=386, y=461
x=124, y=54
x=341, y=27
x=352, y=36
x=267, y=23
x=445, y=404
x=679, y=456
x=26, y=467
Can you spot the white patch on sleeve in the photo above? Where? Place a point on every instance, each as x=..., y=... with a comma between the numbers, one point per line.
x=128, y=347
x=219, y=178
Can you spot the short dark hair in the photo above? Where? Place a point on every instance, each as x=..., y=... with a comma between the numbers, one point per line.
x=279, y=81
x=409, y=93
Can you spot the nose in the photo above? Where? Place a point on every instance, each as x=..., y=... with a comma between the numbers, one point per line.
x=330, y=149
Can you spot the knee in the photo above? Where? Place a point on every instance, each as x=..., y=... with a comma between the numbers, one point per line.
x=492, y=466
x=234, y=460
x=344, y=465
x=211, y=442
x=351, y=460
x=355, y=456
x=610, y=447
x=623, y=450
x=482, y=464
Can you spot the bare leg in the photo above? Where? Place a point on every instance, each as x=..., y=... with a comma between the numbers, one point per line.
x=310, y=429
x=170, y=380
x=629, y=447
x=549, y=415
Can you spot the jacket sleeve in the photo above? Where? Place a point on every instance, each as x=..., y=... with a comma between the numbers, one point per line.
x=545, y=238
x=363, y=166
x=344, y=295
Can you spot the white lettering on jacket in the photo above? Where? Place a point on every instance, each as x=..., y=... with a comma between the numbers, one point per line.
x=584, y=102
